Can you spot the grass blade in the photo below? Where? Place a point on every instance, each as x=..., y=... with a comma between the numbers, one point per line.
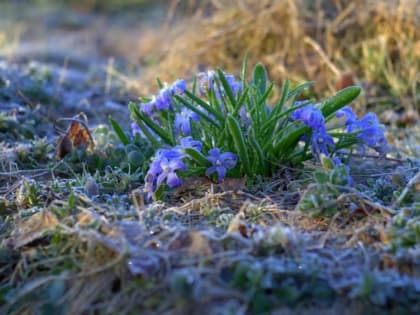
x=197, y=156
x=118, y=130
x=238, y=141
x=152, y=125
x=197, y=111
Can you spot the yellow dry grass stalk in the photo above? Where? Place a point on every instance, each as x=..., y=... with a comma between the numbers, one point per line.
x=376, y=42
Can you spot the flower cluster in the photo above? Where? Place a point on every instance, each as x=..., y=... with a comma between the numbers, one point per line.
x=321, y=141
x=226, y=127
x=367, y=129
x=163, y=100
x=183, y=119
x=167, y=162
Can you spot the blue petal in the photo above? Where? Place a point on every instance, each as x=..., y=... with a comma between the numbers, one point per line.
x=221, y=173
x=173, y=180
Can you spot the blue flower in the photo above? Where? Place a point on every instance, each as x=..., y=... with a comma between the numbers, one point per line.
x=370, y=133
x=163, y=169
x=349, y=116
x=310, y=116
x=163, y=100
x=235, y=86
x=321, y=143
x=148, y=108
x=205, y=81
x=189, y=142
x=245, y=116
x=182, y=120
x=135, y=129
x=221, y=162
x=178, y=87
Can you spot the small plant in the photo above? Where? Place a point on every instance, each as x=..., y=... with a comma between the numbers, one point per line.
x=330, y=181
x=224, y=127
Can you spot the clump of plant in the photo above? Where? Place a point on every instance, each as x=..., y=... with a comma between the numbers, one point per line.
x=224, y=127
x=330, y=181
x=405, y=229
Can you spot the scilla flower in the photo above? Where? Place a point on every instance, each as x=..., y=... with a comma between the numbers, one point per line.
x=221, y=162
x=163, y=169
x=183, y=119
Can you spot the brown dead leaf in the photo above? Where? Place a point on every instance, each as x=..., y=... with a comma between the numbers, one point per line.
x=200, y=245
x=239, y=225
x=77, y=135
x=33, y=228
x=88, y=219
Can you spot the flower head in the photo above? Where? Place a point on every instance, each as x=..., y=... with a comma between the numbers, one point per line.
x=178, y=87
x=163, y=169
x=148, y=108
x=310, y=116
x=321, y=143
x=189, y=142
x=370, y=132
x=163, y=100
x=235, y=86
x=221, y=162
x=183, y=120
x=205, y=81
x=349, y=117
x=136, y=130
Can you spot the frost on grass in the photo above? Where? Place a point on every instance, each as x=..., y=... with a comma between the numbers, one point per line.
x=327, y=230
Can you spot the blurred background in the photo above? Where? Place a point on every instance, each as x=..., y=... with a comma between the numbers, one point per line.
x=334, y=43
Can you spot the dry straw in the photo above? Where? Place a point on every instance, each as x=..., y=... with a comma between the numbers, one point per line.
x=334, y=43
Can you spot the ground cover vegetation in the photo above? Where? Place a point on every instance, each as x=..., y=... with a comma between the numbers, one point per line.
x=240, y=188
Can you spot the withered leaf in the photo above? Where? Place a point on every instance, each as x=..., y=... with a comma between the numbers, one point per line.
x=239, y=225
x=200, y=245
x=33, y=228
x=77, y=135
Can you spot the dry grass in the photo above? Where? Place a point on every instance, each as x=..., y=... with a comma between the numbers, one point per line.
x=334, y=43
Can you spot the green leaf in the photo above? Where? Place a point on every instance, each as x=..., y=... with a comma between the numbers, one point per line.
x=290, y=140
x=283, y=98
x=340, y=99
x=226, y=88
x=160, y=84
x=219, y=117
x=241, y=100
x=238, y=141
x=198, y=157
x=259, y=78
x=244, y=68
x=260, y=157
x=321, y=177
x=262, y=104
x=142, y=118
x=118, y=130
x=272, y=121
